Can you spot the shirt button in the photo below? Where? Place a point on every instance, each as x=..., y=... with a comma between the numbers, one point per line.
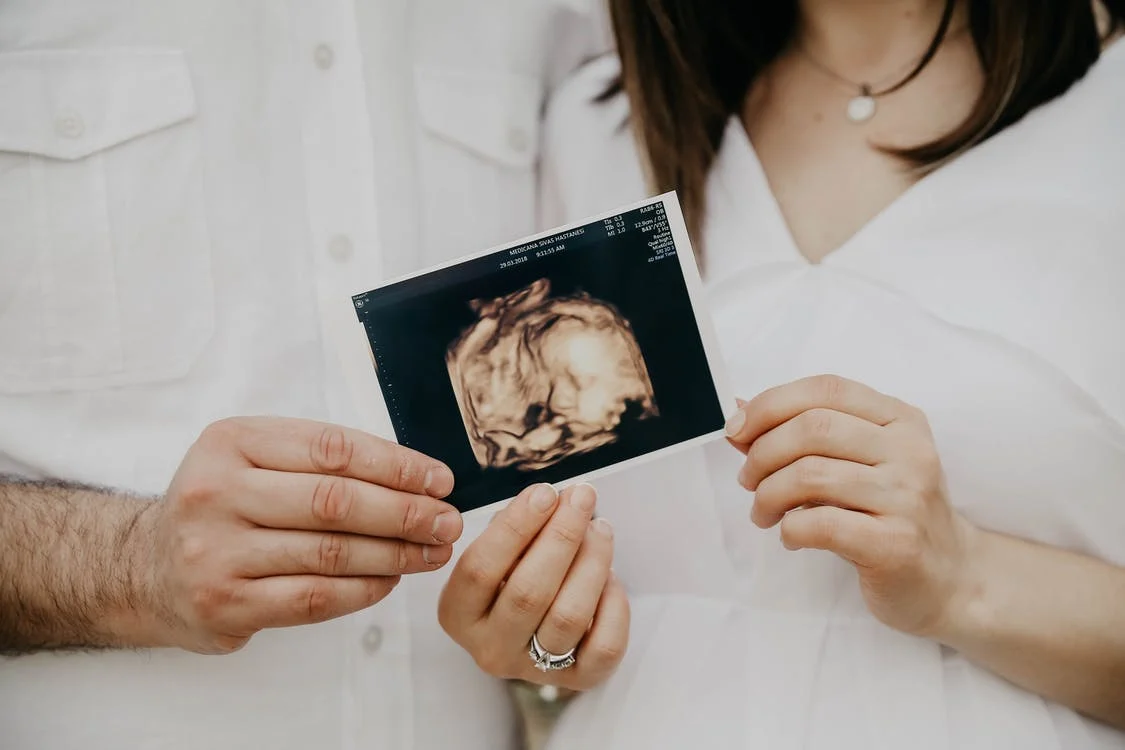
x=324, y=56
x=341, y=248
x=372, y=639
x=70, y=125
x=519, y=140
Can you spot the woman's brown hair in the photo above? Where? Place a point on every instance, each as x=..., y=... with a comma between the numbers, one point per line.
x=687, y=66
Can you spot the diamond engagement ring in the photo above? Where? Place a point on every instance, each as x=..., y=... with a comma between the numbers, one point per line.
x=545, y=661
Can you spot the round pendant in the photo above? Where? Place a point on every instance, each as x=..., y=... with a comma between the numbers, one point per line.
x=861, y=108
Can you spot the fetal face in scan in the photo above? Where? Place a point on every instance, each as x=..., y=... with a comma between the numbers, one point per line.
x=540, y=379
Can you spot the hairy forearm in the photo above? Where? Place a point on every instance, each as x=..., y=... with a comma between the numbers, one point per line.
x=71, y=568
x=1049, y=620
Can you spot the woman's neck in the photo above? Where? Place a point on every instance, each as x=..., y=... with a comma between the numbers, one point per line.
x=863, y=39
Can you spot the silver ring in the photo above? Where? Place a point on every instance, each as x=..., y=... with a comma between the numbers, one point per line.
x=545, y=661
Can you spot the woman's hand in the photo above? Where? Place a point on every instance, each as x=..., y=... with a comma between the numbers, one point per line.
x=846, y=469
x=541, y=567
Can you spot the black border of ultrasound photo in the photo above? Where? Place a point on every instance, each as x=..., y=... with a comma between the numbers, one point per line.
x=635, y=262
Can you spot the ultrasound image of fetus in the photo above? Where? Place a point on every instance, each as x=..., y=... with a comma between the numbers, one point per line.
x=538, y=379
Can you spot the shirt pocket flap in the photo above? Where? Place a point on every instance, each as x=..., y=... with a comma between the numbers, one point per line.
x=492, y=114
x=69, y=104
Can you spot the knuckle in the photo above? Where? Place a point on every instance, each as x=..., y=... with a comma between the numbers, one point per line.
x=509, y=525
x=811, y=473
x=198, y=493
x=569, y=621
x=332, y=500
x=401, y=558
x=210, y=601
x=223, y=432
x=413, y=520
x=910, y=486
x=790, y=531
x=904, y=546
x=526, y=599
x=830, y=388
x=407, y=472
x=195, y=549
x=825, y=531
x=818, y=424
x=766, y=497
x=917, y=416
x=332, y=451
x=604, y=654
x=315, y=602
x=562, y=533
x=474, y=571
x=494, y=661
x=332, y=555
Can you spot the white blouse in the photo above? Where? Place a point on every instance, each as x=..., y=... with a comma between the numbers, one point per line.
x=991, y=295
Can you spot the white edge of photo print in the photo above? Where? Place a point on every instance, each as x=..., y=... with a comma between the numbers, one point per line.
x=346, y=333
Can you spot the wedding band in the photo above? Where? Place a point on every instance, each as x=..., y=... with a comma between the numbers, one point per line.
x=545, y=661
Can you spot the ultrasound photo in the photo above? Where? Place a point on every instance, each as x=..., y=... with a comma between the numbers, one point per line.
x=538, y=379
x=552, y=360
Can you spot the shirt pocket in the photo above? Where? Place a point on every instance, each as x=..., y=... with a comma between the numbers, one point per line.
x=105, y=265
x=478, y=156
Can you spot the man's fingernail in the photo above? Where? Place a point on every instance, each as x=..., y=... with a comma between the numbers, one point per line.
x=445, y=527
x=603, y=527
x=543, y=498
x=736, y=422
x=438, y=482
x=584, y=497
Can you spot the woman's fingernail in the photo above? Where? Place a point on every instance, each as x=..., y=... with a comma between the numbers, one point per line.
x=543, y=497
x=584, y=497
x=743, y=477
x=603, y=527
x=736, y=422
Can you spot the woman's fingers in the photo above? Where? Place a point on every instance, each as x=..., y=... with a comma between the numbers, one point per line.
x=476, y=579
x=817, y=432
x=817, y=480
x=778, y=405
x=572, y=612
x=273, y=552
x=542, y=570
x=604, y=646
x=856, y=537
x=536, y=580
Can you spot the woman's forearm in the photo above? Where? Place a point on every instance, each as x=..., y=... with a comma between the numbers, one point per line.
x=1049, y=620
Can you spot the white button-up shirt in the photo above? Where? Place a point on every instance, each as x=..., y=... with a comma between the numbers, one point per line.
x=180, y=183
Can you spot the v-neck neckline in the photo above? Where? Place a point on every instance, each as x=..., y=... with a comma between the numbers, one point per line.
x=741, y=170
x=754, y=178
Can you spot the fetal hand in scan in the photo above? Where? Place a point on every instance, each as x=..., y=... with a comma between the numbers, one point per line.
x=538, y=379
